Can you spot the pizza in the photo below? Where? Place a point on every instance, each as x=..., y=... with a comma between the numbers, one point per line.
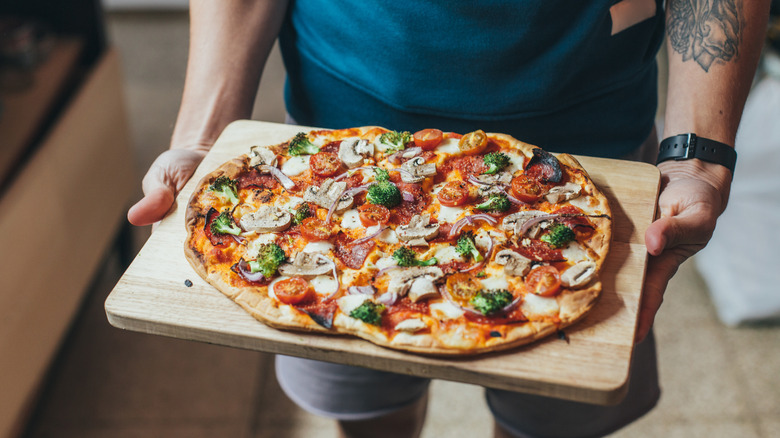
x=435, y=243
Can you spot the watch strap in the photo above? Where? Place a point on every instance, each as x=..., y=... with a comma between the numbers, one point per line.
x=688, y=146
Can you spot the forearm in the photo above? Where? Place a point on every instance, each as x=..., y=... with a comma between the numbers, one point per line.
x=713, y=48
x=229, y=43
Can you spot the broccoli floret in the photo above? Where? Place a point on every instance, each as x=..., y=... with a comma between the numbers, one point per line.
x=223, y=224
x=495, y=202
x=491, y=301
x=269, y=257
x=300, y=145
x=395, y=140
x=558, y=236
x=381, y=174
x=495, y=161
x=406, y=257
x=225, y=188
x=369, y=312
x=467, y=248
x=302, y=212
x=384, y=193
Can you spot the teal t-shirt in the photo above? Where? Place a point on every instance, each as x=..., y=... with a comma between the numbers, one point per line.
x=548, y=72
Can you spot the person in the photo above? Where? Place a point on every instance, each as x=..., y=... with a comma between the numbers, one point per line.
x=577, y=77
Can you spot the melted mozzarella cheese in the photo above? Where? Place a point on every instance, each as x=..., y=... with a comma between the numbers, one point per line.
x=324, y=284
x=385, y=262
x=322, y=247
x=351, y=219
x=288, y=204
x=449, y=146
x=583, y=202
x=516, y=162
x=446, y=254
x=295, y=166
x=450, y=214
x=387, y=236
x=495, y=282
x=348, y=303
x=445, y=310
x=253, y=246
x=574, y=253
x=541, y=306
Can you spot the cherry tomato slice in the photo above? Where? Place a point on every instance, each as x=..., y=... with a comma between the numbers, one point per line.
x=526, y=189
x=314, y=229
x=473, y=143
x=428, y=139
x=544, y=281
x=325, y=163
x=292, y=290
x=462, y=286
x=372, y=214
x=453, y=194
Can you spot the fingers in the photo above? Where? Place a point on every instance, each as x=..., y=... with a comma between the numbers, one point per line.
x=689, y=230
x=152, y=207
x=167, y=175
x=660, y=269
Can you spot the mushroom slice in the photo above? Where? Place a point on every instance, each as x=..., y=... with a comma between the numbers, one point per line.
x=261, y=155
x=266, y=219
x=563, y=193
x=352, y=151
x=419, y=230
x=421, y=288
x=491, y=184
x=401, y=280
x=515, y=222
x=578, y=275
x=328, y=193
x=417, y=170
x=306, y=265
x=514, y=263
x=411, y=325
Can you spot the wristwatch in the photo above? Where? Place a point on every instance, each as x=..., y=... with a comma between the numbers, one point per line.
x=687, y=146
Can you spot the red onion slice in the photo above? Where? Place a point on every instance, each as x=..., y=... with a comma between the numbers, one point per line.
x=408, y=197
x=457, y=226
x=387, y=298
x=283, y=179
x=333, y=206
x=398, y=157
x=536, y=220
x=370, y=236
x=335, y=276
x=243, y=269
x=509, y=307
x=361, y=290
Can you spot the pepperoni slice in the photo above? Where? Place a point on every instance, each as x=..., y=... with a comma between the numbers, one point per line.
x=325, y=164
x=351, y=254
x=540, y=251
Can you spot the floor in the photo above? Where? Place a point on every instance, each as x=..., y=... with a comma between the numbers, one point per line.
x=717, y=381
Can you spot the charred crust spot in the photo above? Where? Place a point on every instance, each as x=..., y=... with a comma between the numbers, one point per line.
x=495, y=334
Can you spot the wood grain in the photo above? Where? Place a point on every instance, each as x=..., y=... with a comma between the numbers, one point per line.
x=593, y=366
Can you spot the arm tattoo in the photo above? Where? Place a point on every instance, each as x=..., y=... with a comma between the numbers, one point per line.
x=707, y=31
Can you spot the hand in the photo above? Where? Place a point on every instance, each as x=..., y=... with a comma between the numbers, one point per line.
x=693, y=195
x=165, y=178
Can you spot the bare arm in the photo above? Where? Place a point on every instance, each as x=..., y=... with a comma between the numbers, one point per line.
x=713, y=47
x=229, y=43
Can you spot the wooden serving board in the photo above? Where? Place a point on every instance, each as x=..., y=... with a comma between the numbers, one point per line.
x=593, y=366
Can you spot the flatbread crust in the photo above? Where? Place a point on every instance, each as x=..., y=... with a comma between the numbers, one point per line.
x=442, y=336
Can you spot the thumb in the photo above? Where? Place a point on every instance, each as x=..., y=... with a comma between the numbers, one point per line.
x=152, y=207
x=685, y=230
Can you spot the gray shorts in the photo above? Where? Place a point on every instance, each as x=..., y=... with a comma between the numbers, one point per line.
x=350, y=393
